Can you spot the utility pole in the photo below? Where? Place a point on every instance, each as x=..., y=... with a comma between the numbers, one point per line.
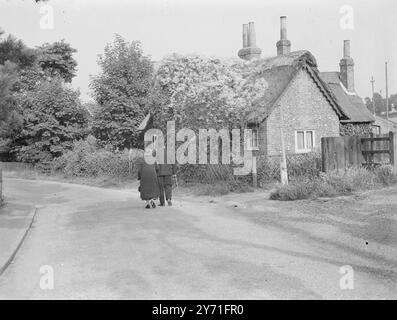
x=387, y=94
x=373, y=101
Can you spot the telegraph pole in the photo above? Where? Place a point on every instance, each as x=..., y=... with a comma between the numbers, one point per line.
x=373, y=101
x=387, y=94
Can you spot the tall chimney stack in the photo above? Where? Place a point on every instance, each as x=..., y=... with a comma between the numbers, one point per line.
x=250, y=50
x=283, y=45
x=251, y=35
x=346, y=65
x=245, y=35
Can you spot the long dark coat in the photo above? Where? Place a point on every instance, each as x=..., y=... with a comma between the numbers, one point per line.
x=166, y=171
x=149, y=187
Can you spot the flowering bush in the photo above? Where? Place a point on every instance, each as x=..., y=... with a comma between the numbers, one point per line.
x=198, y=92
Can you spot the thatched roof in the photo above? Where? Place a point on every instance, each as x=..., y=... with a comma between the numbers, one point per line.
x=351, y=104
x=278, y=72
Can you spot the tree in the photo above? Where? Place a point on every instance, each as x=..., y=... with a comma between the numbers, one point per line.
x=9, y=119
x=39, y=115
x=7, y=80
x=14, y=50
x=121, y=91
x=380, y=103
x=56, y=59
x=393, y=101
x=198, y=92
x=52, y=119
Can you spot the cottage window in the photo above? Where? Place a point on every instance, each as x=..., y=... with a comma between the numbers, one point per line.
x=254, y=142
x=304, y=140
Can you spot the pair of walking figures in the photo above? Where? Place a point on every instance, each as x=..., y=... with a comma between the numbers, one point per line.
x=156, y=183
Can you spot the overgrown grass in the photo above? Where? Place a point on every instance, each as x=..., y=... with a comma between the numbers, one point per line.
x=299, y=166
x=336, y=183
x=216, y=189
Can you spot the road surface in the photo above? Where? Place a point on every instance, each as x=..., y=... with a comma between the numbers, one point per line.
x=102, y=244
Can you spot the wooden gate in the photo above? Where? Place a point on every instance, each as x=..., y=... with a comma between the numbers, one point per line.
x=342, y=152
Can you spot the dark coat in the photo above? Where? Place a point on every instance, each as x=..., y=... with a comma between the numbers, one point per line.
x=165, y=171
x=149, y=187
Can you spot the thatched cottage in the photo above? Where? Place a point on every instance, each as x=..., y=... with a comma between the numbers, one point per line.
x=301, y=102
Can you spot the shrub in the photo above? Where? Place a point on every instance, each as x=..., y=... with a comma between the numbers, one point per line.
x=335, y=183
x=87, y=160
x=298, y=165
x=300, y=188
x=386, y=175
x=304, y=165
x=349, y=180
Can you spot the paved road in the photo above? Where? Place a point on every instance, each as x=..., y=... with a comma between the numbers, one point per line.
x=102, y=243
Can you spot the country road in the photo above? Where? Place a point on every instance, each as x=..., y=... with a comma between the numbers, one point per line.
x=102, y=244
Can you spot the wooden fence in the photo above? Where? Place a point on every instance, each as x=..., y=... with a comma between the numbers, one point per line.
x=342, y=152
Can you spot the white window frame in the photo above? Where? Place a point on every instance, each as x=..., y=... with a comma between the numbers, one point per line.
x=251, y=141
x=305, y=149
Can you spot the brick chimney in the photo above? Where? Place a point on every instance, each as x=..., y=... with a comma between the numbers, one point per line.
x=283, y=45
x=346, y=65
x=250, y=50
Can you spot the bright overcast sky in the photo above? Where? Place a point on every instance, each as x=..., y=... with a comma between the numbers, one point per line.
x=213, y=28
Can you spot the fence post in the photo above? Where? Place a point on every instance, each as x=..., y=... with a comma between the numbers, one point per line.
x=393, y=148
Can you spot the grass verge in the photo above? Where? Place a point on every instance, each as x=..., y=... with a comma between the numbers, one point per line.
x=336, y=183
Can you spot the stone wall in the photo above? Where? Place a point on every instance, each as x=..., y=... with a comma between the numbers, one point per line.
x=355, y=129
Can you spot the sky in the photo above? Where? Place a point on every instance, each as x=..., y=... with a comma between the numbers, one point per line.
x=214, y=28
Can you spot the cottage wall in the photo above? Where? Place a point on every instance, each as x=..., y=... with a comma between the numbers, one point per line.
x=303, y=107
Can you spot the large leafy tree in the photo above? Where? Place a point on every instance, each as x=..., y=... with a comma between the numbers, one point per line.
x=56, y=59
x=7, y=103
x=40, y=116
x=52, y=119
x=15, y=56
x=10, y=120
x=121, y=91
x=14, y=50
x=380, y=103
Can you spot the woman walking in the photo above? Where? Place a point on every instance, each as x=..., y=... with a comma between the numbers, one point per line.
x=149, y=186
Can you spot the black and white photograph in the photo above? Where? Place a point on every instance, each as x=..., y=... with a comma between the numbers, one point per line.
x=198, y=150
